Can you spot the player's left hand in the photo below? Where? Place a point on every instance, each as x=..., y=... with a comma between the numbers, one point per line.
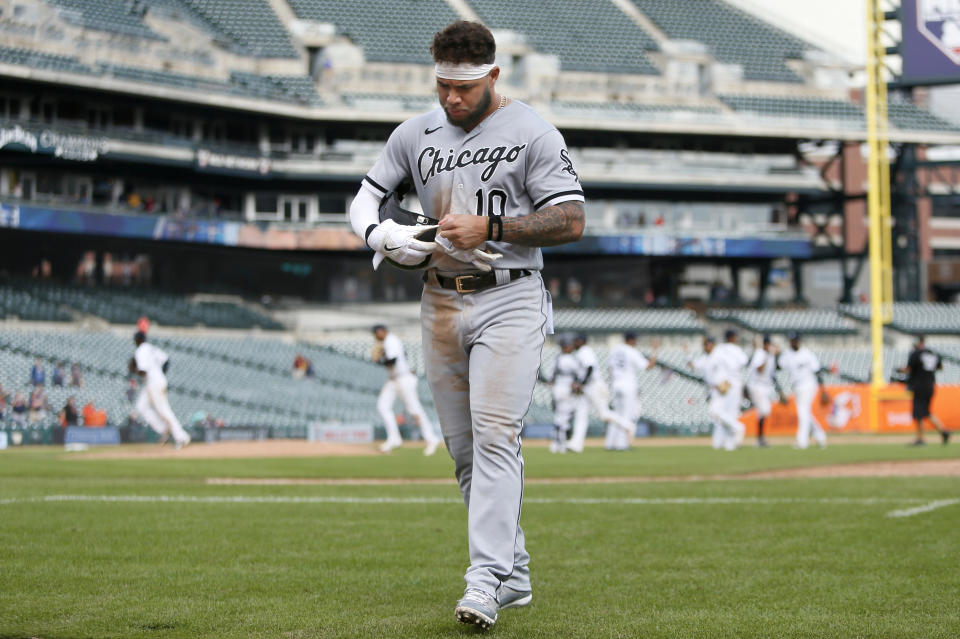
x=464, y=231
x=479, y=258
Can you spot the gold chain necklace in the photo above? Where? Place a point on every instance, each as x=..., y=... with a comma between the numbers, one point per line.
x=503, y=102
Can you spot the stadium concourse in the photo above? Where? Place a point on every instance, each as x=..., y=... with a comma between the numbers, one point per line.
x=245, y=376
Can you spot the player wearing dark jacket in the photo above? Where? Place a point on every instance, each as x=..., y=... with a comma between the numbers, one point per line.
x=921, y=371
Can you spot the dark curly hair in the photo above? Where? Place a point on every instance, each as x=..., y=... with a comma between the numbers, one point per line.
x=464, y=41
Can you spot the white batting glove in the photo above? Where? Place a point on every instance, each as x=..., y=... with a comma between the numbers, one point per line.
x=479, y=258
x=398, y=243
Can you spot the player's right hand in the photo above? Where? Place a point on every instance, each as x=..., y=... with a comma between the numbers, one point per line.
x=478, y=258
x=399, y=243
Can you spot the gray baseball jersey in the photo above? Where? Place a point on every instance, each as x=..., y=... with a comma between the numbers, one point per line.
x=513, y=163
x=482, y=349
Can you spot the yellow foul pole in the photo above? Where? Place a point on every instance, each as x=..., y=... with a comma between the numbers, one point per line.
x=878, y=204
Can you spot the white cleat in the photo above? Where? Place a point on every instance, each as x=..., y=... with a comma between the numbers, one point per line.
x=431, y=448
x=388, y=445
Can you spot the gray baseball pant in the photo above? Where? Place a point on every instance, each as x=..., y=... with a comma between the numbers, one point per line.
x=482, y=352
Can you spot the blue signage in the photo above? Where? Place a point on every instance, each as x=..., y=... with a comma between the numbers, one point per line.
x=101, y=436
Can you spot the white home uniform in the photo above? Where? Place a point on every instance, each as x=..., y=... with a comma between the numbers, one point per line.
x=625, y=364
x=401, y=381
x=152, y=404
x=595, y=394
x=482, y=337
x=566, y=371
x=802, y=366
x=760, y=382
x=729, y=361
x=703, y=366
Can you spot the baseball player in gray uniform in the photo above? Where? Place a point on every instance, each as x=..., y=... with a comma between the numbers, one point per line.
x=500, y=181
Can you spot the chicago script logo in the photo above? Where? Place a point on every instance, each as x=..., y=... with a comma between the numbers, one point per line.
x=433, y=161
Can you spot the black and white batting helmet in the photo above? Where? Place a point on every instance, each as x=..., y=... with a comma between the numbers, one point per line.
x=390, y=209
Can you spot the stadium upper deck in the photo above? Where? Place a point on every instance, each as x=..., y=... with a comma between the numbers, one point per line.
x=623, y=65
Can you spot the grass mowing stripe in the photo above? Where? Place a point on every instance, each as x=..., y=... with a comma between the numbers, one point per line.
x=919, y=510
x=638, y=501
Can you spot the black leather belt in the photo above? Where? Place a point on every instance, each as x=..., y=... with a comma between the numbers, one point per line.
x=473, y=282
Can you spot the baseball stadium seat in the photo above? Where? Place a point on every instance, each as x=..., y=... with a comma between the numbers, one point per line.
x=386, y=30
x=46, y=61
x=914, y=317
x=610, y=320
x=608, y=41
x=249, y=27
x=806, y=321
x=732, y=36
x=116, y=16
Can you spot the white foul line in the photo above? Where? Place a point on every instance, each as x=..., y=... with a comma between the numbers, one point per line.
x=643, y=501
x=919, y=510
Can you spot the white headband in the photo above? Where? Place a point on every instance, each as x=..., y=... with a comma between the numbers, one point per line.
x=462, y=71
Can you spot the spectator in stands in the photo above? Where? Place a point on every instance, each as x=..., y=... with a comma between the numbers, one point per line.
x=59, y=374
x=4, y=400
x=38, y=374
x=299, y=366
x=921, y=370
x=39, y=404
x=19, y=408
x=68, y=414
x=134, y=201
x=76, y=375
x=92, y=416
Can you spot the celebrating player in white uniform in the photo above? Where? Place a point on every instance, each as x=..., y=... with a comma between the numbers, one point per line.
x=761, y=382
x=593, y=392
x=703, y=365
x=565, y=373
x=152, y=404
x=726, y=379
x=500, y=181
x=804, y=370
x=388, y=351
x=625, y=364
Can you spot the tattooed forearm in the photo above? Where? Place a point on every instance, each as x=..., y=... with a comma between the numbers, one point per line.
x=550, y=226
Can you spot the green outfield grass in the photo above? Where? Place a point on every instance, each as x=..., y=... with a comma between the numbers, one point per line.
x=146, y=548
